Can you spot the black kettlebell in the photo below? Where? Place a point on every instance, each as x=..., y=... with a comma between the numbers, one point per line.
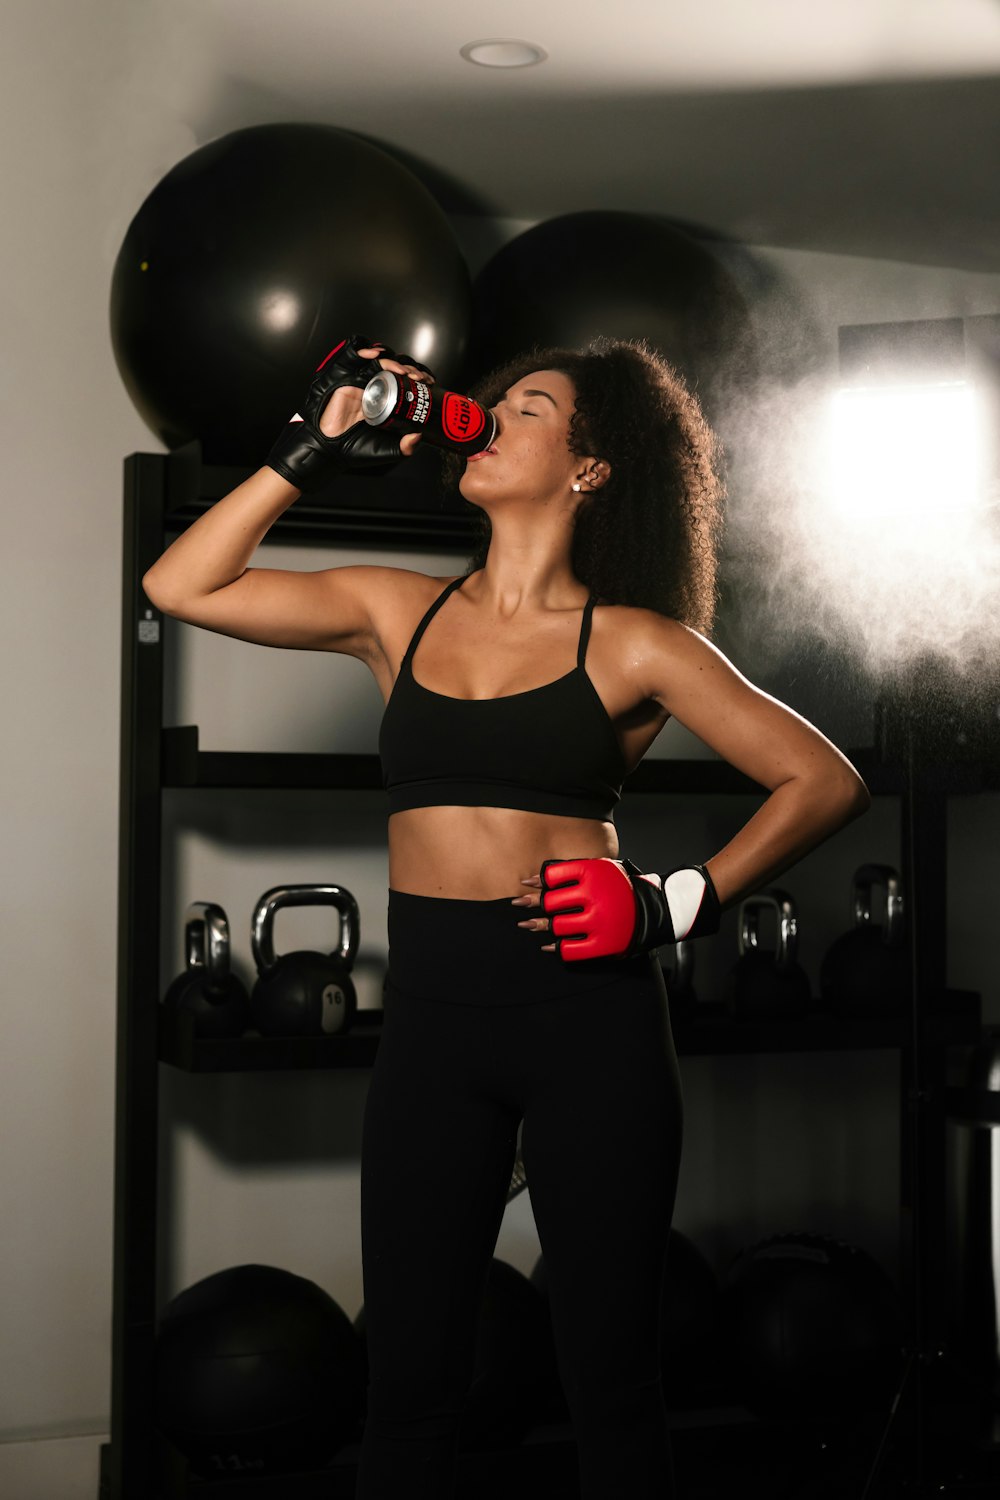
x=304, y=993
x=866, y=971
x=216, y=999
x=768, y=983
x=678, y=976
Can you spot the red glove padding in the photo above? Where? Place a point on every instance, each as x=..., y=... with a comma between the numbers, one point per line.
x=607, y=908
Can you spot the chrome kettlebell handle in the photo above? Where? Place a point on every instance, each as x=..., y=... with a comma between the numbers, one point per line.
x=866, y=878
x=781, y=903
x=272, y=901
x=206, y=940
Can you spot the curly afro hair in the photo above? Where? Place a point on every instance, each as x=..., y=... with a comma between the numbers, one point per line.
x=650, y=537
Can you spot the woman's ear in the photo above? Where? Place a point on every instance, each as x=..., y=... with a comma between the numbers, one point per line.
x=592, y=476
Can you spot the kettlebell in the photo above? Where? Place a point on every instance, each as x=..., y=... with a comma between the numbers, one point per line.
x=678, y=976
x=216, y=999
x=304, y=993
x=766, y=984
x=866, y=972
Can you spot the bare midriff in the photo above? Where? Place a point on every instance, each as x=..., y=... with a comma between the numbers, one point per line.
x=483, y=853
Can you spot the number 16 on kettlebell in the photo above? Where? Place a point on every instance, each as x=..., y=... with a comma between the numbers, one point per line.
x=304, y=993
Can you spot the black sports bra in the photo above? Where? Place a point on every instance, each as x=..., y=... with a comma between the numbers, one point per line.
x=551, y=749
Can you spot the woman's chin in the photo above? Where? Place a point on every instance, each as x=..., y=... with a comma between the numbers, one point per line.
x=476, y=494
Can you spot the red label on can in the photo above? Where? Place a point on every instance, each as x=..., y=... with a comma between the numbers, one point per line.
x=461, y=419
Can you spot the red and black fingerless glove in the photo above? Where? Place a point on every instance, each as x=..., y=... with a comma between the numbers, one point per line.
x=607, y=908
x=304, y=455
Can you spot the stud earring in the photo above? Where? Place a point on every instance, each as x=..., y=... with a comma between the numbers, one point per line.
x=577, y=488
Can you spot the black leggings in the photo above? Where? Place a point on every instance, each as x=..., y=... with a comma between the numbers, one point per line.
x=481, y=1030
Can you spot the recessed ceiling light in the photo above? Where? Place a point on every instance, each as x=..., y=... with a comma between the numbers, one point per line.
x=503, y=52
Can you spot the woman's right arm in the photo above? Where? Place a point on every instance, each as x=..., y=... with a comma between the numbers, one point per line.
x=204, y=578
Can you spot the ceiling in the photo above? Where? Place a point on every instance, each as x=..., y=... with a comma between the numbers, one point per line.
x=863, y=127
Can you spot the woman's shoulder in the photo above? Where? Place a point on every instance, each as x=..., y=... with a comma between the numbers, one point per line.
x=398, y=597
x=632, y=622
x=404, y=585
x=642, y=643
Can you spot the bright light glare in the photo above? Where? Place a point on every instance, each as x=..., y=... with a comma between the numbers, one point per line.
x=871, y=520
x=906, y=456
x=899, y=548
x=422, y=342
x=280, y=310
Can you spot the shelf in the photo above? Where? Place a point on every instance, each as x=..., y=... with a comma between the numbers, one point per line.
x=712, y=1033
x=180, y=1048
x=186, y=765
x=411, y=530
x=405, y=509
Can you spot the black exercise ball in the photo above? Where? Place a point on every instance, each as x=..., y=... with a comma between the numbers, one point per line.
x=813, y=1327
x=258, y=1371
x=252, y=256
x=623, y=275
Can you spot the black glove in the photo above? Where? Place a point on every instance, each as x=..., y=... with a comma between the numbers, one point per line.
x=304, y=455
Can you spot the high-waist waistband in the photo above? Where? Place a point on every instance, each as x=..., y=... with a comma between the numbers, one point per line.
x=474, y=953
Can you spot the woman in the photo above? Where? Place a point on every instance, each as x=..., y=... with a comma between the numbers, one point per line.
x=523, y=981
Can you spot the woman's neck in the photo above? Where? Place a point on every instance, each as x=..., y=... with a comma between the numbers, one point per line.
x=528, y=568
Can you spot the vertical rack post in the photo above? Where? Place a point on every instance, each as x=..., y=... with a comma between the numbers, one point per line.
x=924, y=846
x=137, y=1068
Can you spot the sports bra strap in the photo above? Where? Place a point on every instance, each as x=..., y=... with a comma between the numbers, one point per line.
x=450, y=588
x=428, y=617
x=585, y=631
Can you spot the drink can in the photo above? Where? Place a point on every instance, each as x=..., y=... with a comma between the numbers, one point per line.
x=445, y=418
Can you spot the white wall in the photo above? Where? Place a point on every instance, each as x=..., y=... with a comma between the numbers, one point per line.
x=94, y=117
x=63, y=162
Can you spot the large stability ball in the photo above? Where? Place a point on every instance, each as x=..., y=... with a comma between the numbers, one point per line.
x=814, y=1328
x=257, y=1372
x=252, y=256
x=623, y=275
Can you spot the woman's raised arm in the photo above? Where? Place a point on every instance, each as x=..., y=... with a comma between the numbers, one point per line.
x=204, y=577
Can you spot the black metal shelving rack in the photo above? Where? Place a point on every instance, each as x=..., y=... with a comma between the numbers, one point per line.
x=162, y=494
